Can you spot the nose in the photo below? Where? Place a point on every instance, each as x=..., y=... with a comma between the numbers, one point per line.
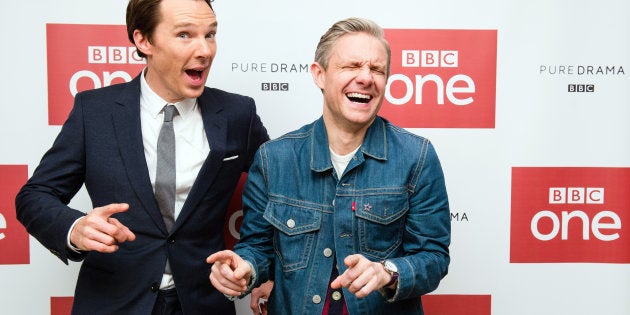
x=364, y=75
x=206, y=48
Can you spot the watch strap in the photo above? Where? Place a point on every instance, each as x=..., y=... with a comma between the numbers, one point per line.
x=393, y=274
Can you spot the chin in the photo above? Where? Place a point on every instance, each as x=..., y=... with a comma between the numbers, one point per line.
x=194, y=93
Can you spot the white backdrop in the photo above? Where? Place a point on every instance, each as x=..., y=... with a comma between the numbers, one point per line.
x=539, y=123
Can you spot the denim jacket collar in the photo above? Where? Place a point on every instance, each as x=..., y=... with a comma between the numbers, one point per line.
x=374, y=144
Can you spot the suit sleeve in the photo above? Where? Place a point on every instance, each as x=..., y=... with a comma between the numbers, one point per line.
x=257, y=134
x=42, y=203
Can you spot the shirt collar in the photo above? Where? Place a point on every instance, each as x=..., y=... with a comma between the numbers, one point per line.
x=153, y=103
x=374, y=144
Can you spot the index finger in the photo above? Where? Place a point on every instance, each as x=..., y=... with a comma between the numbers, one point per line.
x=224, y=256
x=110, y=209
x=124, y=233
x=352, y=260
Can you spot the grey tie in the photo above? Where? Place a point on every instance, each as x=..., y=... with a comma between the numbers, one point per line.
x=165, y=173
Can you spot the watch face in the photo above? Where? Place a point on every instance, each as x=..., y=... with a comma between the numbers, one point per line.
x=390, y=266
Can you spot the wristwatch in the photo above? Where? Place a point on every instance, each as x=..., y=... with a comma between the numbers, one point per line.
x=389, y=266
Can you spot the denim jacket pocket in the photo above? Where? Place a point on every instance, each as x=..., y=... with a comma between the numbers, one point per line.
x=380, y=221
x=296, y=226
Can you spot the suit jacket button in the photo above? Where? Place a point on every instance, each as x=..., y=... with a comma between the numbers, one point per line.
x=171, y=240
x=155, y=287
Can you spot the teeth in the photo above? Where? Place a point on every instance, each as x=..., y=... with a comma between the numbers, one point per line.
x=358, y=95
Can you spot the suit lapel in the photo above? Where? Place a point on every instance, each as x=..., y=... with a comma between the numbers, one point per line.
x=126, y=120
x=215, y=126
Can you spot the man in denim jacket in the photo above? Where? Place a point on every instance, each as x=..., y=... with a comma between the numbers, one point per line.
x=349, y=214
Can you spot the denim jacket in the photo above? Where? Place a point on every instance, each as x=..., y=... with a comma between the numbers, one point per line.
x=390, y=203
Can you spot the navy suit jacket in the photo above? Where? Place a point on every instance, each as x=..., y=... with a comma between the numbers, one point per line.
x=100, y=145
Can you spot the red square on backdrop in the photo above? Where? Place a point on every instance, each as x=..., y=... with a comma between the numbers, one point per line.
x=441, y=78
x=14, y=240
x=234, y=215
x=61, y=305
x=455, y=304
x=570, y=214
x=82, y=57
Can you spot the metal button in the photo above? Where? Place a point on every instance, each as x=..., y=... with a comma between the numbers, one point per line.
x=336, y=296
x=290, y=223
x=328, y=252
x=333, y=202
x=317, y=299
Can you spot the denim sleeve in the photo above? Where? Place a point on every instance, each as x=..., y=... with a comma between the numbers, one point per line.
x=256, y=234
x=427, y=230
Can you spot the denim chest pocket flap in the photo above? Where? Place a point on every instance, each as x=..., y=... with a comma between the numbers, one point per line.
x=293, y=219
x=384, y=207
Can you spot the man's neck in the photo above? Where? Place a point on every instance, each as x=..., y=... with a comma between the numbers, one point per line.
x=343, y=141
x=344, y=137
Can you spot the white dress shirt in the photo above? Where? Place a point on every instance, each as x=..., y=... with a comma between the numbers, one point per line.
x=191, y=145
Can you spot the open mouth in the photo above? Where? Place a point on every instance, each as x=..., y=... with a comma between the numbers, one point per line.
x=358, y=97
x=194, y=74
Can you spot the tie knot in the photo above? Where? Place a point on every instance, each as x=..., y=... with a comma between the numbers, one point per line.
x=169, y=112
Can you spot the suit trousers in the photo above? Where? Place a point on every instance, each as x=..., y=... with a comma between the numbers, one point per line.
x=167, y=303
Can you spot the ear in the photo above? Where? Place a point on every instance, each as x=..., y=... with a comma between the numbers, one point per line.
x=317, y=71
x=142, y=42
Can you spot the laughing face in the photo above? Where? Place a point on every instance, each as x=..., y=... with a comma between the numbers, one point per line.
x=181, y=49
x=354, y=82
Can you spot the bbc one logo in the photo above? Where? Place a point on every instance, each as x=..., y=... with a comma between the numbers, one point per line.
x=441, y=78
x=560, y=223
x=569, y=215
x=82, y=57
x=448, y=90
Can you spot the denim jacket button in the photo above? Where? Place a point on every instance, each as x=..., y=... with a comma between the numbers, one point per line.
x=290, y=223
x=328, y=252
x=336, y=295
x=317, y=299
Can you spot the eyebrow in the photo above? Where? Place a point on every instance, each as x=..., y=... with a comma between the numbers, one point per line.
x=187, y=24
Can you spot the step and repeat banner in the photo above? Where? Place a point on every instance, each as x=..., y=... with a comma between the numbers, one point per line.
x=526, y=102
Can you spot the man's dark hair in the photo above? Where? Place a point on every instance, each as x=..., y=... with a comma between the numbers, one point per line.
x=144, y=15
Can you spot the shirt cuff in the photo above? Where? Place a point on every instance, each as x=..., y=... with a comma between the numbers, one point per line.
x=250, y=285
x=69, y=244
x=390, y=294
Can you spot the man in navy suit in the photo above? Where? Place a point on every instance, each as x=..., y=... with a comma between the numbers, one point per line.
x=108, y=144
